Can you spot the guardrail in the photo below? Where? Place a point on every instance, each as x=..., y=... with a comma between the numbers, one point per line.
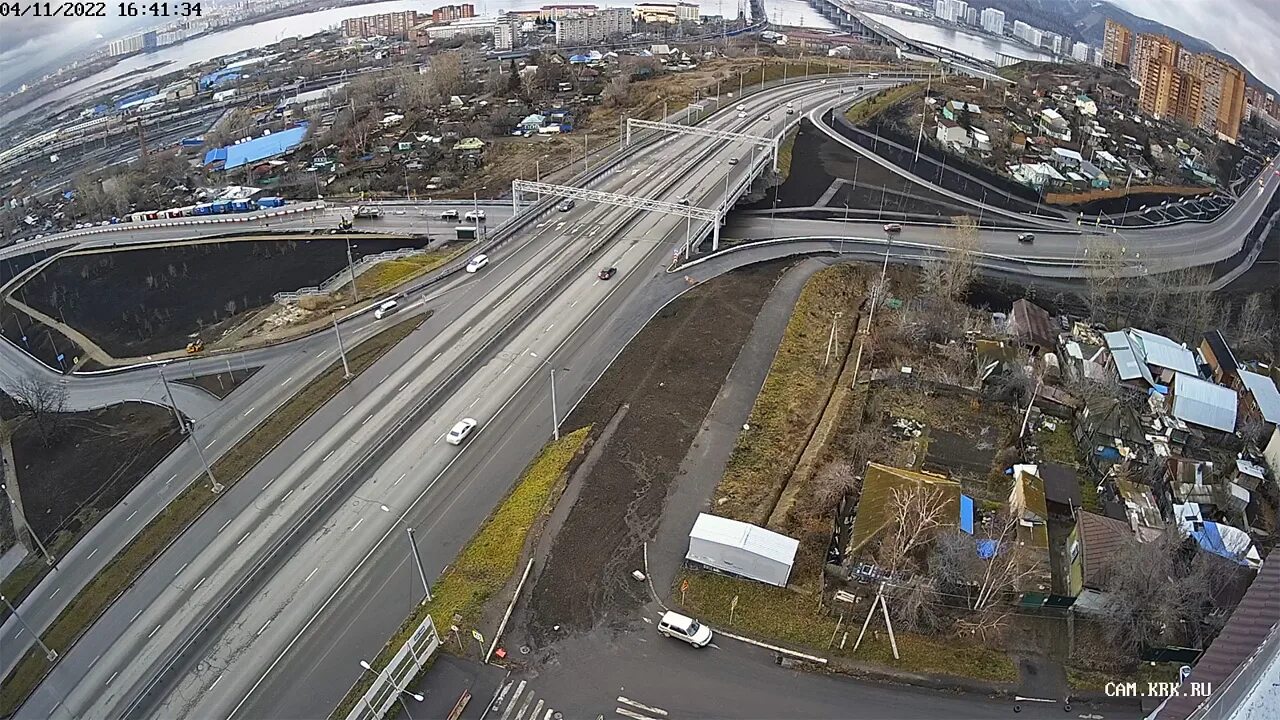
x=393, y=681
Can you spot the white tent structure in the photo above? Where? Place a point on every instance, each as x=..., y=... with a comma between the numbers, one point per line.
x=741, y=549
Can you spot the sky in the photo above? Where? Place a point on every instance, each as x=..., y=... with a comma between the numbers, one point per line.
x=1247, y=29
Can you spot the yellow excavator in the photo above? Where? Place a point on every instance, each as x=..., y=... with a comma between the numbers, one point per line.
x=195, y=346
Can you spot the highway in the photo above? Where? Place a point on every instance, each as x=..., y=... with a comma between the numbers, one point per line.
x=460, y=362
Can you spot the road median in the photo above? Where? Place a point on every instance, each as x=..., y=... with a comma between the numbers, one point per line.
x=98, y=595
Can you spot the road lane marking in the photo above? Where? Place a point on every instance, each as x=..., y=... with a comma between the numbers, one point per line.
x=246, y=537
x=261, y=629
x=225, y=524
x=549, y=327
x=246, y=412
x=505, y=369
x=397, y=482
x=362, y=422
x=388, y=377
x=327, y=456
x=464, y=332
x=308, y=447
x=633, y=715
x=153, y=632
x=269, y=483
x=206, y=447
x=573, y=304
x=94, y=661
x=286, y=496
x=286, y=381
x=184, y=567
x=308, y=577
x=515, y=698
x=135, y=512
x=113, y=677
x=54, y=593
x=641, y=706
x=326, y=352
x=402, y=387
x=353, y=527
x=175, y=477
x=439, y=438
x=473, y=403
x=437, y=356
x=135, y=616
x=215, y=682
x=197, y=587
x=344, y=412
x=537, y=710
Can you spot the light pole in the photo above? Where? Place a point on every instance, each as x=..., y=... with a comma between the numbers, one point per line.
x=346, y=369
x=417, y=559
x=215, y=487
x=49, y=653
x=182, y=425
x=351, y=265
x=400, y=691
x=18, y=514
x=555, y=418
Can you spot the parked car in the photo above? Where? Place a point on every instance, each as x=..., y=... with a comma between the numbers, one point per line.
x=608, y=273
x=683, y=627
x=449, y=215
x=565, y=206
x=477, y=262
x=1026, y=238
x=893, y=228
x=460, y=431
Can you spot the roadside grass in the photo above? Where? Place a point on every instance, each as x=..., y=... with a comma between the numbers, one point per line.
x=1096, y=681
x=487, y=563
x=1060, y=447
x=784, y=153
x=881, y=101
x=793, y=619
x=98, y=595
x=390, y=273
x=791, y=398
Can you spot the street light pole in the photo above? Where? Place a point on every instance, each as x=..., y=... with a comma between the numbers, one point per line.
x=182, y=425
x=346, y=369
x=400, y=691
x=49, y=653
x=351, y=265
x=214, y=486
x=413, y=547
x=555, y=420
x=19, y=514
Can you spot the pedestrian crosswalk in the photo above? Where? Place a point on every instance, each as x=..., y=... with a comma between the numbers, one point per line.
x=629, y=708
x=519, y=701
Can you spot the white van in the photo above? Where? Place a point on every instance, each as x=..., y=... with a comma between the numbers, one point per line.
x=683, y=627
x=386, y=308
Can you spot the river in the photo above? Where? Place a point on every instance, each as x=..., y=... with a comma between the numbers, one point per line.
x=982, y=47
x=173, y=58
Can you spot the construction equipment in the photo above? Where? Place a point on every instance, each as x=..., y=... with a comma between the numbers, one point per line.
x=195, y=346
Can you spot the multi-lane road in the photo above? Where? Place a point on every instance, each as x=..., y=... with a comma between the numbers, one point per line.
x=263, y=608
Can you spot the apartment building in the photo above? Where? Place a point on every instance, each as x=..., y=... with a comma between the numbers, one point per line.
x=1199, y=90
x=1223, y=96
x=397, y=25
x=582, y=29
x=1117, y=45
x=1027, y=34
x=449, y=13
x=993, y=21
x=1080, y=52
x=950, y=10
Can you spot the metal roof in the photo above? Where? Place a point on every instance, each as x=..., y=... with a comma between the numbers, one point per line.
x=259, y=148
x=1203, y=403
x=1126, y=362
x=1162, y=352
x=1265, y=394
x=755, y=540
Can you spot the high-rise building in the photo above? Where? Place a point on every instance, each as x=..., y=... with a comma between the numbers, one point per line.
x=396, y=24
x=1199, y=90
x=504, y=34
x=1052, y=41
x=124, y=46
x=583, y=29
x=950, y=10
x=1080, y=52
x=1117, y=45
x=1026, y=33
x=971, y=16
x=449, y=13
x=1223, y=96
x=993, y=21
x=1163, y=89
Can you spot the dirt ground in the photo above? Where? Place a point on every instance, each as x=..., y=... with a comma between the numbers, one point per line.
x=42, y=341
x=99, y=457
x=669, y=387
x=136, y=302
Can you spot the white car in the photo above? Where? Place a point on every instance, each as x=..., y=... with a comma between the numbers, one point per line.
x=477, y=262
x=449, y=215
x=460, y=431
x=683, y=627
x=741, y=115
x=474, y=215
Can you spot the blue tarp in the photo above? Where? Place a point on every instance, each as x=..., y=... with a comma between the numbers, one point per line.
x=987, y=548
x=214, y=79
x=966, y=514
x=1210, y=539
x=233, y=156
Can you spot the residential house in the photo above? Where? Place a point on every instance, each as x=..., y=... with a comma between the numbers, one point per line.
x=1218, y=356
x=1053, y=125
x=1155, y=359
x=981, y=140
x=1096, y=539
x=1108, y=432
x=1085, y=105
x=1097, y=178
x=1109, y=162
x=1066, y=158
x=1061, y=488
x=879, y=484
x=1138, y=505
x=1032, y=326
x=1037, y=175
x=950, y=132
x=1261, y=398
x=1271, y=452
x=1202, y=403
x=532, y=123
x=1249, y=475
x=1029, y=509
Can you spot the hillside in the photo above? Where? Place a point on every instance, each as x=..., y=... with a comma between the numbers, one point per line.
x=1084, y=20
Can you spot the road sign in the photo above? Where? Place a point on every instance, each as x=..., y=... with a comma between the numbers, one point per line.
x=476, y=634
x=684, y=585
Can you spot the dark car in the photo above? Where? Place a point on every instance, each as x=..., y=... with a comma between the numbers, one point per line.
x=1026, y=238
x=608, y=272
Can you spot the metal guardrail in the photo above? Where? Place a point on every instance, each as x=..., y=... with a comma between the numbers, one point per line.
x=394, y=679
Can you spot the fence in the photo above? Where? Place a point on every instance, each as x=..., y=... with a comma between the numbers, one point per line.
x=394, y=679
x=343, y=276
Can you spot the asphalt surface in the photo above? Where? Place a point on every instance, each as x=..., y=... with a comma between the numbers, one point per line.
x=290, y=629
x=116, y=660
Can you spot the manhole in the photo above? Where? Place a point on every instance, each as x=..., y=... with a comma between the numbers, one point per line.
x=524, y=650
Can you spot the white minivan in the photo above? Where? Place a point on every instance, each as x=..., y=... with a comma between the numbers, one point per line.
x=386, y=309
x=683, y=627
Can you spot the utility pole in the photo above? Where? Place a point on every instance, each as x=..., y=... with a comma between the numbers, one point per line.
x=351, y=265
x=413, y=547
x=49, y=653
x=555, y=420
x=182, y=425
x=18, y=514
x=214, y=486
x=346, y=369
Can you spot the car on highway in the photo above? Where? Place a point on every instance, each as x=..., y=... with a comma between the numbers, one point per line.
x=766, y=117
x=742, y=108
x=893, y=228
x=565, y=206
x=683, y=627
x=608, y=273
x=733, y=161
x=474, y=215
x=477, y=262
x=385, y=309
x=460, y=431
x=1026, y=238
x=684, y=200
x=741, y=115
x=449, y=215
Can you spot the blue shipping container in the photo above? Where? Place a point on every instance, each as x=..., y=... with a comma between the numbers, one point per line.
x=271, y=202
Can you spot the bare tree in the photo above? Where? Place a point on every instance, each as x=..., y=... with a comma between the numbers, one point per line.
x=831, y=484
x=44, y=401
x=914, y=515
x=962, y=258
